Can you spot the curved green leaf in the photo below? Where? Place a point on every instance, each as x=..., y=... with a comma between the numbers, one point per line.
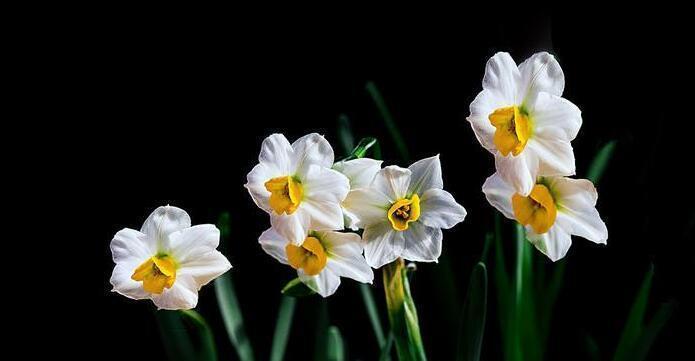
x=282, y=328
x=336, y=348
x=472, y=327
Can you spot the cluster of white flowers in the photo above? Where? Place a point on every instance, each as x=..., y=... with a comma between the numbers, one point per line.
x=312, y=201
x=521, y=118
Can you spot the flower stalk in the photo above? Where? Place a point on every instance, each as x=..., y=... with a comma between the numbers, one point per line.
x=402, y=312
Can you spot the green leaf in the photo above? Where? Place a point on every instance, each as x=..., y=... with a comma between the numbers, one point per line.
x=373, y=313
x=336, y=348
x=393, y=129
x=186, y=335
x=598, y=165
x=321, y=334
x=297, y=288
x=386, y=349
x=232, y=317
x=646, y=339
x=347, y=140
x=224, y=225
x=402, y=313
x=635, y=320
x=472, y=327
x=282, y=328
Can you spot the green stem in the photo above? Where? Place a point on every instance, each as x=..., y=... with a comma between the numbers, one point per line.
x=369, y=303
x=282, y=328
x=402, y=313
x=388, y=120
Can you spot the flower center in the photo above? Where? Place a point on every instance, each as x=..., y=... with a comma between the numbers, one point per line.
x=285, y=194
x=156, y=274
x=538, y=209
x=310, y=256
x=403, y=212
x=513, y=129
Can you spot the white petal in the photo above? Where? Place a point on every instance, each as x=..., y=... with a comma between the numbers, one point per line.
x=577, y=198
x=325, y=185
x=345, y=256
x=123, y=284
x=540, y=73
x=425, y=174
x=422, y=243
x=274, y=244
x=360, y=171
x=183, y=295
x=499, y=193
x=191, y=243
x=555, y=243
x=555, y=117
x=276, y=155
x=351, y=220
x=324, y=283
x=439, y=209
x=393, y=181
x=323, y=215
x=555, y=157
x=502, y=77
x=293, y=227
x=131, y=245
x=255, y=184
x=164, y=221
x=205, y=267
x=520, y=171
x=311, y=149
x=368, y=205
x=382, y=244
x=482, y=106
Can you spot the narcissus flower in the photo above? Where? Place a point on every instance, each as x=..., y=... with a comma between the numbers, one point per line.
x=403, y=211
x=521, y=118
x=321, y=259
x=167, y=261
x=555, y=209
x=360, y=172
x=297, y=187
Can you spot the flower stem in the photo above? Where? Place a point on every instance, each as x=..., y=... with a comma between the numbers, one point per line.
x=402, y=313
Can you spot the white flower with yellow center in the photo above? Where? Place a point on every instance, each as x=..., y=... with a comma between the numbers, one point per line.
x=556, y=209
x=403, y=211
x=167, y=261
x=360, y=172
x=295, y=185
x=521, y=118
x=321, y=259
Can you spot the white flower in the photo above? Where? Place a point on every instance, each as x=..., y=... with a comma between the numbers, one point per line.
x=167, y=261
x=521, y=118
x=402, y=213
x=321, y=259
x=295, y=185
x=556, y=208
x=360, y=172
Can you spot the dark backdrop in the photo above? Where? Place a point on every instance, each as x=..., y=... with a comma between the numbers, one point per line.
x=176, y=110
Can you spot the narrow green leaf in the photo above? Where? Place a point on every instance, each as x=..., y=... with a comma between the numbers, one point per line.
x=651, y=331
x=635, y=320
x=386, y=349
x=282, y=328
x=373, y=313
x=186, y=335
x=336, y=348
x=232, y=317
x=472, y=327
x=600, y=162
x=347, y=140
x=388, y=120
x=321, y=334
x=297, y=288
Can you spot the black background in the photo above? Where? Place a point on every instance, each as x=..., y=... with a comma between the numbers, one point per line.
x=172, y=110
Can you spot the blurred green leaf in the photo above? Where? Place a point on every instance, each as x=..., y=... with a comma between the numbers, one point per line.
x=336, y=348
x=347, y=140
x=472, y=327
x=186, y=335
x=393, y=129
x=402, y=312
x=386, y=349
x=637, y=338
x=321, y=334
x=373, y=313
x=593, y=353
x=282, y=328
x=232, y=317
x=297, y=288
x=600, y=162
x=224, y=224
